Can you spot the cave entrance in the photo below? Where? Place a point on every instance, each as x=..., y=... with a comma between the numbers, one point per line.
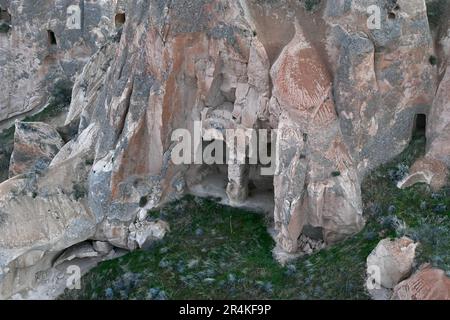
x=119, y=20
x=51, y=38
x=420, y=124
x=213, y=180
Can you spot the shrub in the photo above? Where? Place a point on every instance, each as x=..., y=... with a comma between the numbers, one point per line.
x=312, y=5
x=143, y=201
x=4, y=27
x=436, y=11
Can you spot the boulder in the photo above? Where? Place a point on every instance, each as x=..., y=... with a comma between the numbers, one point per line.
x=392, y=260
x=79, y=251
x=102, y=247
x=426, y=284
x=143, y=234
x=425, y=170
x=35, y=145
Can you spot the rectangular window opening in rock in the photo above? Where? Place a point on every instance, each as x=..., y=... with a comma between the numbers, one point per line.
x=51, y=38
x=420, y=124
x=119, y=20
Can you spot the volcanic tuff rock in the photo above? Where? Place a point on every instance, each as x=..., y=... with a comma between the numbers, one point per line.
x=35, y=145
x=46, y=41
x=427, y=284
x=394, y=259
x=344, y=98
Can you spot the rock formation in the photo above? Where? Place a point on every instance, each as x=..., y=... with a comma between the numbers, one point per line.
x=426, y=284
x=46, y=41
x=35, y=146
x=340, y=98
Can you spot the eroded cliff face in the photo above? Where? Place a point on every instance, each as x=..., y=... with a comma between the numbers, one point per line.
x=44, y=41
x=344, y=99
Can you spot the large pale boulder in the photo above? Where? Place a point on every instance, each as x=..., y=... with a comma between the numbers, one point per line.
x=392, y=261
x=425, y=170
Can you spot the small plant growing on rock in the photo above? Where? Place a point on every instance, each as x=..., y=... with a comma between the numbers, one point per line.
x=312, y=5
x=336, y=173
x=79, y=191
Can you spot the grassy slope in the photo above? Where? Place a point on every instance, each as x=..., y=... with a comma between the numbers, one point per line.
x=218, y=252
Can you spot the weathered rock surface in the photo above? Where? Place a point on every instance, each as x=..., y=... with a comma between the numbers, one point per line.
x=143, y=234
x=343, y=99
x=35, y=146
x=46, y=41
x=427, y=284
x=79, y=251
x=393, y=260
x=426, y=170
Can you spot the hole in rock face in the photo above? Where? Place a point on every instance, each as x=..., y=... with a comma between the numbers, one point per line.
x=4, y=15
x=119, y=20
x=420, y=124
x=392, y=15
x=51, y=38
x=433, y=60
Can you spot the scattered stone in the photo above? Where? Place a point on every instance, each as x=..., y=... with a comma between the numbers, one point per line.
x=291, y=270
x=231, y=278
x=193, y=263
x=164, y=264
x=164, y=250
x=102, y=247
x=209, y=280
x=391, y=209
x=147, y=232
x=440, y=208
x=109, y=293
x=423, y=205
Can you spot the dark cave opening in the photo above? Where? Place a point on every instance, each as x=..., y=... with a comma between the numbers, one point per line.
x=119, y=20
x=51, y=38
x=4, y=15
x=211, y=180
x=420, y=124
